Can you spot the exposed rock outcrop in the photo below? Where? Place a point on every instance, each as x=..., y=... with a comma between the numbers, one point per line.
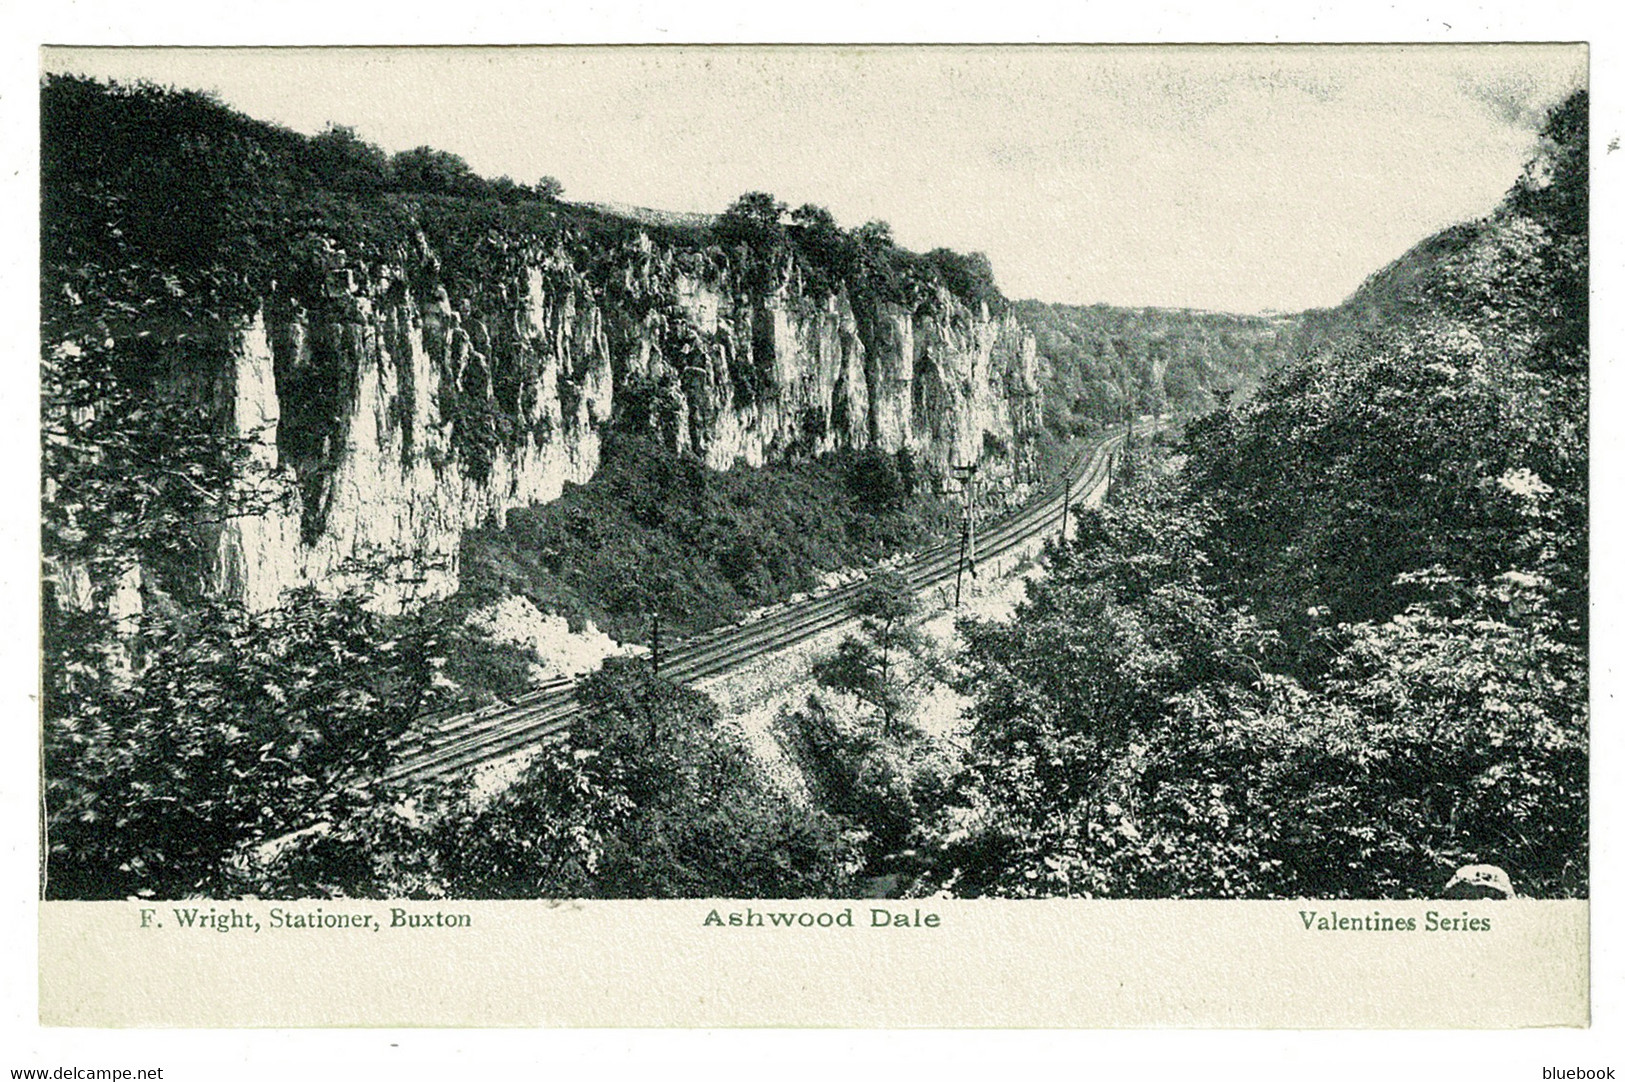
x=1477, y=882
x=393, y=406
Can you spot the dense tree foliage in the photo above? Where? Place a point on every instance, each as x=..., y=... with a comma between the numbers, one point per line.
x=1099, y=363
x=866, y=261
x=753, y=212
x=889, y=781
x=1340, y=650
x=867, y=758
x=237, y=729
x=144, y=266
x=654, y=531
x=648, y=796
x=703, y=823
x=887, y=659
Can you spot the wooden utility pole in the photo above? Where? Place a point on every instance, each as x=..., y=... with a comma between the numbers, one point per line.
x=1066, y=501
x=970, y=535
x=654, y=643
x=966, y=476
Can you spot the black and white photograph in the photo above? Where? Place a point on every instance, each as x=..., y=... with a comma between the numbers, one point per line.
x=676, y=526
x=641, y=473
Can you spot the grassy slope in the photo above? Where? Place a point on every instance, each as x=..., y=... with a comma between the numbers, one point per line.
x=656, y=530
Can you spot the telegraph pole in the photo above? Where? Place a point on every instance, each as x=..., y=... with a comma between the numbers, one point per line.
x=1066, y=501
x=654, y=643
x=966, y=476
x=970, y=530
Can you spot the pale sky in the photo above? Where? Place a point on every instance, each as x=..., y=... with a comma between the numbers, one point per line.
x=1230, y=178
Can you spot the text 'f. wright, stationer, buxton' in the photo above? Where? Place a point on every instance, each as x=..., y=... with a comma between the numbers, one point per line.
x=247, y=919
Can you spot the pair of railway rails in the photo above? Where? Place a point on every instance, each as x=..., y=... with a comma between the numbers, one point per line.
x=461, y=741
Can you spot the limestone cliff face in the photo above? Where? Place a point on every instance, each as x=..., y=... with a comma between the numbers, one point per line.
x=391, y=407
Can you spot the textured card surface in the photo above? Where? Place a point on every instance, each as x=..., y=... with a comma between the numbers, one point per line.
x=939, y=964
x=1103, y=529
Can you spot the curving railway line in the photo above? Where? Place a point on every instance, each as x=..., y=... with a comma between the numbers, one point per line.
x=457, y=741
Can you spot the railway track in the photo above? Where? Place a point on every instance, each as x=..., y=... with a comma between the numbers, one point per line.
x=459, y=741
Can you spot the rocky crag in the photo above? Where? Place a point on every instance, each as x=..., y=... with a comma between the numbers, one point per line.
x=392, y=350
x=394, y=412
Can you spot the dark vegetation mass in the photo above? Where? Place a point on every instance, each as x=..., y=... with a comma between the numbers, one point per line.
x=650, y=798
x=199, y=188
x=1099, y=363
x=1341, y=651
x=657, y=532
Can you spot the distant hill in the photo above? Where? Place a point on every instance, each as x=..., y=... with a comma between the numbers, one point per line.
x=1395, y=293
x=1178, y=360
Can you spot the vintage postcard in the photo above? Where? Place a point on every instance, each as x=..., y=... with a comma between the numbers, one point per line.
x=709, y=536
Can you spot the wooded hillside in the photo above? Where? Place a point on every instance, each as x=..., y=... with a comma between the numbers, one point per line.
x=1338, y=647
